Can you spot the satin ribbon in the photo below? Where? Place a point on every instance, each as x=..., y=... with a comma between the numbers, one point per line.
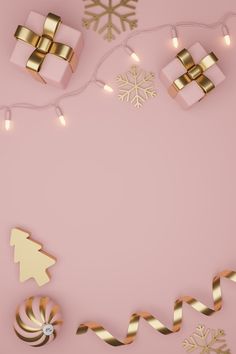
x=44, y=45
x=108, y=338
x=195, y=72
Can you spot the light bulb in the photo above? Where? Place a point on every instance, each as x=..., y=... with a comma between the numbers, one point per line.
x=227, y=39
x=60, y=115
x=62, y=120
x=175, y=42
x=226, y=35
x=104, y=86
x=108, y=88
x=135, y=57
x=174, y=35
x=132, y=54
x=8, y=121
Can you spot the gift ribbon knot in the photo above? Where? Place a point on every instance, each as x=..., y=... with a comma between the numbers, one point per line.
x=195, y=72
x=44, y=44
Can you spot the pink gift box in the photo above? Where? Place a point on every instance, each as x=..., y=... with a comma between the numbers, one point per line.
x=54, y=70
x=191, y=93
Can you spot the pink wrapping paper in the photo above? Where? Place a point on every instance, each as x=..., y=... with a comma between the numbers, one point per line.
x=54, y=70
x=192, y=93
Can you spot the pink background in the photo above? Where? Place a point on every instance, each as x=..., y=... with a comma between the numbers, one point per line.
x=137, y=205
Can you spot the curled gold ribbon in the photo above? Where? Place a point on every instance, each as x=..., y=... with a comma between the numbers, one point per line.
x=195, y=72
x=108, y=338
x=44, y=45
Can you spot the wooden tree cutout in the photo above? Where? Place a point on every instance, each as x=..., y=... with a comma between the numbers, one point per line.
x=33, y=261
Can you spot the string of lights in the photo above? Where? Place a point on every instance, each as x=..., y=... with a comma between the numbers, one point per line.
x=55, y=104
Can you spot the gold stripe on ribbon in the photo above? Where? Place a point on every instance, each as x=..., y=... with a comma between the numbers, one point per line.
x=195, y=72
x=157, y=325
x=44, y=45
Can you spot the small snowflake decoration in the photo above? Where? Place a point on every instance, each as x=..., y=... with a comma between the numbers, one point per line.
x=109, y=17
x=206, y=341
x=136, y=86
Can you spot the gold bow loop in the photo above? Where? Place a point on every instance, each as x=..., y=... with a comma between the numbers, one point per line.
x=44, y=45
x=195, y=72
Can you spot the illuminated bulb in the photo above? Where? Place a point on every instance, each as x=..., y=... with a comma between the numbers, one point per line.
x=174, y=35
x=8, y=121
x=175, y=42
x=108, y=88
x=62, y=120
x=227, y=39
x=104, y=86
x=60, y=115
x=133, y=55
x=226, y=35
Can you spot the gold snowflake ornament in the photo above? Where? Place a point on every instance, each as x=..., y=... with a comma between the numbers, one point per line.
x=110, y=17
x=206, y=341
x=136, y=86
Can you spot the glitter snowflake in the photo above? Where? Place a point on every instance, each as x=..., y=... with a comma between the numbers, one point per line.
x=136, y=86
x=206, y=341
x=110, y=16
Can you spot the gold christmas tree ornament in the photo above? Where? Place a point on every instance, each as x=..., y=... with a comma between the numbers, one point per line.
x=33, y=262
x=136, y=86
x=206, y=340
x=37, y=321
x=110, y=17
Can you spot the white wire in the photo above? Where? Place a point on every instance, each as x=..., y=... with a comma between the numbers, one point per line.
x=54, y=103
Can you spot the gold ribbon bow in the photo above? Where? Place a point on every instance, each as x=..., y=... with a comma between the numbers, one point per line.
x=44, y=45
x=195, y=72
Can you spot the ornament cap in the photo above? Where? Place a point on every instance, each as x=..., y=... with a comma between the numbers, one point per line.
x=48, y=329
